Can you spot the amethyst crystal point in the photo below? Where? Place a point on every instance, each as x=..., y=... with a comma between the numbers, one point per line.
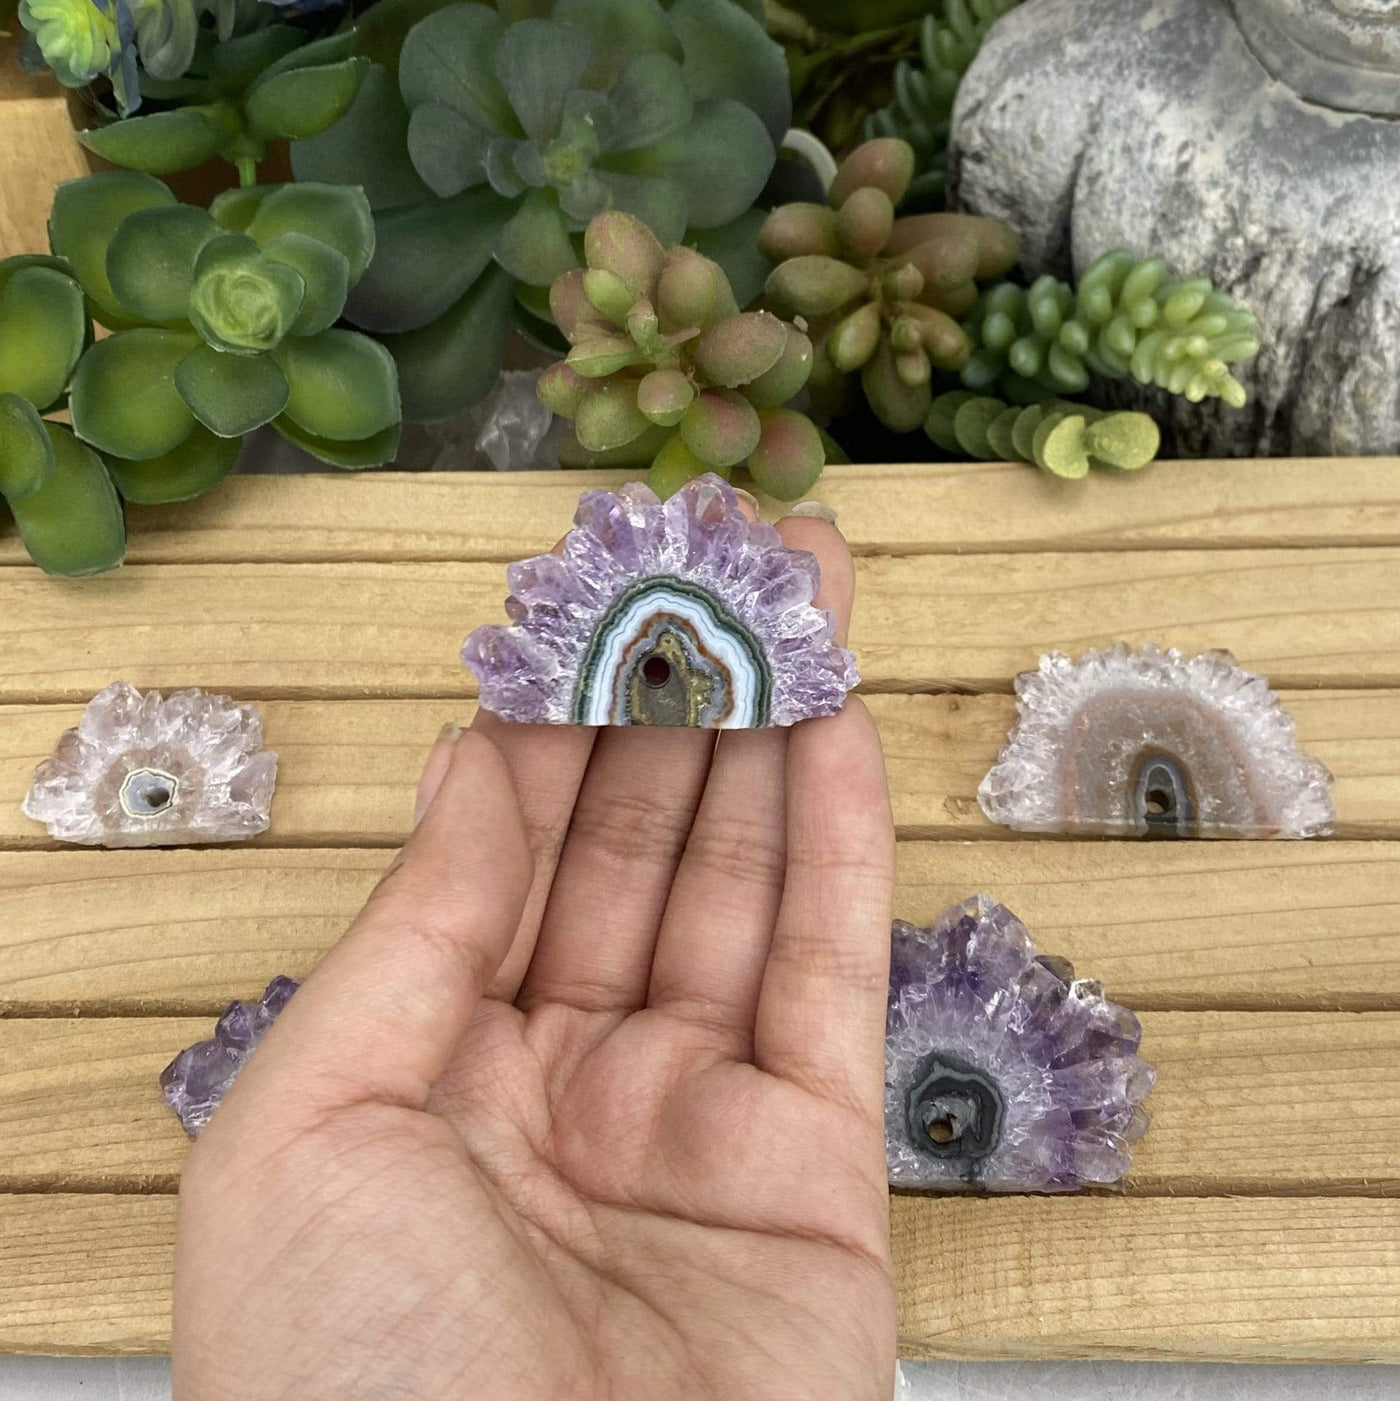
x=152, y=771
x=682, y=613
x=1151, y=743
x=1002, y=1072
x=196, y=1081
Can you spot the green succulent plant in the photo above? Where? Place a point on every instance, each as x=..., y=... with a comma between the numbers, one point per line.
x=274, y=83
x=58, y=490
x=1062, y=438
x=497, y=134
x=1126, y=317
x=223, y=320
x=924, y=91
x=666, y=370
x=882, y=293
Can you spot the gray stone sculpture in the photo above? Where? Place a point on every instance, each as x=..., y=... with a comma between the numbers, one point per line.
x=1254, y=143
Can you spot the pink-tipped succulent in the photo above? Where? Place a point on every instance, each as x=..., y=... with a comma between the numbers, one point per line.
x=667, y=372
x=882, y=293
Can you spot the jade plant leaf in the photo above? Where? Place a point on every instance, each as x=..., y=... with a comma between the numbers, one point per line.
x=325, y=272
x=373, y=451
x=26, y=454
x=447, y=150
x=243, y=302
x=162, y=141
x=231, y=394
x=43, y=327
x=73, y=524
x=151, y=259
x=124, y=399
x=726, y=56
x=201, y=461
x=342, y=385
x=236, y=63
x=332, y=49
x=447, y=58
x=337, y=215
x=302, y=102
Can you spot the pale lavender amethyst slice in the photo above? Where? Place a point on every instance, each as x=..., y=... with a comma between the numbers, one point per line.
x=674, y=613
x=1004, y=1073
x=156, y=771
x=197, y=1080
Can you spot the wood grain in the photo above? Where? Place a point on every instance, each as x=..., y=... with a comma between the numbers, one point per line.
x=1307, y=618
x=949, y=508
x=1187, y=926
x=1245, y=1103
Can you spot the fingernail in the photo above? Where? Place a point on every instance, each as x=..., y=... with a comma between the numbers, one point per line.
x=451, y=731
x=749, y=497
x=819, y=510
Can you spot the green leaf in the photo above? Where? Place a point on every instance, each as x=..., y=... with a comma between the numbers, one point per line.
x=383, y=27
x=83, y=220
x=305, y=101
x=650, y=101
x=450, y=364
x=234, y=209
x=150, y=261
x=201, y=461
x=343, y=386
x=325, y=272
x=447, y=150
x=332, y=49
x=662, y=205
x=722, y=159
x=161, y=142
x=534, y=246
x=729, y=54
x=239, y=61
x=243, y=302
x=336, y=215
x=620, y=30
x=447, y=58
x=26, y=454
x=124, y=399
x=374, y=451
x=427, y=256
x=231, y=394
x=539, y=63
x=73, y=524
x=43, y=328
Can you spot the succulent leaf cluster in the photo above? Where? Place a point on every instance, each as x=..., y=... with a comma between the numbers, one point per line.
x=666, y=370
x=57, y=489
x=1127, y=316
x=882, y=292
x=1062, y=438
x=922, y=107
x=223, y=320
x=488, y=138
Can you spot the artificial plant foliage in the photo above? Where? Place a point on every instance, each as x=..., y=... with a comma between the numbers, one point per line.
x=488, y=138
x=57, y=489
x=667, y=372
x=223, y=320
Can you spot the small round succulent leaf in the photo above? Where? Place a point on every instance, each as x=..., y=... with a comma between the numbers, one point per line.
x=786, y=378
x=533, y=244
x=597, y=359
x=1059, y=445
x=231, y=394
x=325, y=272
x=124, y=399
x=608, y=294
x=740, y=349
x=1001, y=433
x=789, y=456
x=86, y=214
x=945, y=342
x=26, y=452
x=649, y=102
x=241, y=301
x=675, y=465
x=797, y=230
x=885, y=164
x=304, y=102
x=620, y=243
x=690, y=293
x=864, y=222
x=720, y=427
x=43, y=329
x=1023, y=431
x=945, y=263
x=1122, y=442
x=160, y=142
x=577, y=318
x=813, y=285
x=609, y=417
x=998, y=246
x=664, y=396
x=150, y=261
x=201, y=461
x=73, y=524
x=938, y=422
x=560, y=389
x=970, y=425
x=448, y=57
x=728, y=54
x=335, y=215
x=537, y=63
x=853, y=339
x=341, y=385
x=378, y=450
x=899, y=406
x=638, y=453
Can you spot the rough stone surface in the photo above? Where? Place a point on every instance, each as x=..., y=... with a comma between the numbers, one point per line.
x=1003, y=1072
x=1153, y=125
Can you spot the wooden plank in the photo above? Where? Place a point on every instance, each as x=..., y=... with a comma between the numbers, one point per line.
x=1190, y=926
x=1308, y=618
x=956, y=508
x=1242, y=1280
x=1264, y=1103
x=347, y=769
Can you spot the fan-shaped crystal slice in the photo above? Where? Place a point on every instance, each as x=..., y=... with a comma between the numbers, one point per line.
x=1151, y=743
x=675, y=613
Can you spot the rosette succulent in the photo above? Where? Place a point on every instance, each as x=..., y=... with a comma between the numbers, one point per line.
x=882, y=293
x=223, y=320
x=1003, y=1072
x=498, y=135
x=667, y=372
x=57, y=489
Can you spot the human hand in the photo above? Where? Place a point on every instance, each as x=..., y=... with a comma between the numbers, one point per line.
x=588, y=1101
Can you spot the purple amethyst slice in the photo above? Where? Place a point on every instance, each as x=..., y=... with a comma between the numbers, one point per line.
x=675, y=613
x=1003, y=1072
x=197, y=1080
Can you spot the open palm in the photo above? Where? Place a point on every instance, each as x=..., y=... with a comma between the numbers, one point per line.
x=587, y=1104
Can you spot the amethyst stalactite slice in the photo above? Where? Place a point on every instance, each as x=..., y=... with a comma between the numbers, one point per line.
x=1003, y=1072
x=675, y=613
x=1152, y=743
x=197, y=1080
